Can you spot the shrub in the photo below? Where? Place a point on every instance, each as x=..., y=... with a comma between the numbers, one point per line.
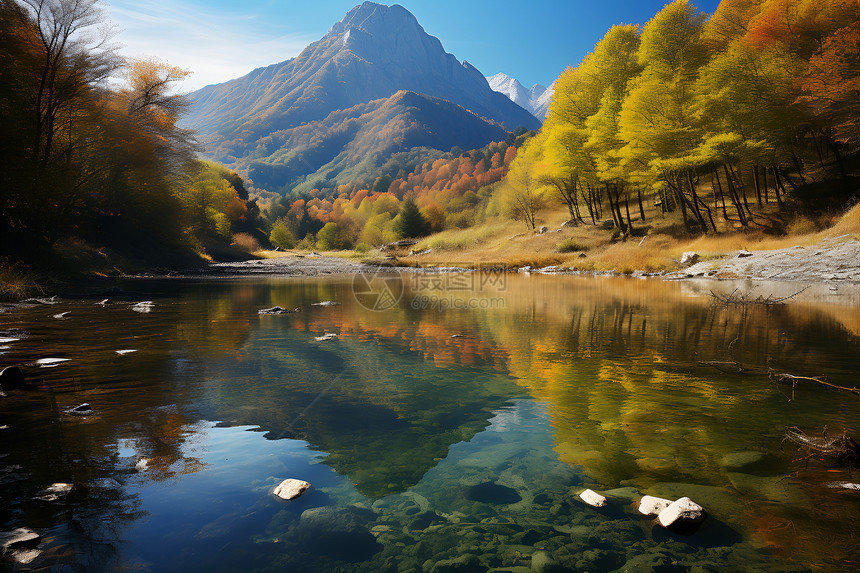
x=570, y=246
x=362, y=248
x=246, y=242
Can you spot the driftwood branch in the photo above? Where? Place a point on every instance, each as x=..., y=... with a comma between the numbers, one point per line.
x=786, y=378
x=732, y=366
x=841, y=446
x=744, y=299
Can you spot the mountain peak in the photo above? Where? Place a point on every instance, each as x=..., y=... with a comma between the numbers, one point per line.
x=534, y=100
x=372, y=53
x=374, y=18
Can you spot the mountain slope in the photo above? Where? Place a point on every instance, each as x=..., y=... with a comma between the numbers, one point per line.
x=535, y=100
x=374, y=52
x=352, y=145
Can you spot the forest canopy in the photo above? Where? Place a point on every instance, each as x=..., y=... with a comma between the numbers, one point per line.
x=91, y=153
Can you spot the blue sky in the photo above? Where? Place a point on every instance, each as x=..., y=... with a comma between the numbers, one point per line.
x=219, y=39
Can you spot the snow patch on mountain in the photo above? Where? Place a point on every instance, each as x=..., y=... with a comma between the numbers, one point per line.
x=535, y=100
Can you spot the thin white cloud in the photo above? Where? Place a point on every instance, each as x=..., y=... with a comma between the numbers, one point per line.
x=215, y=46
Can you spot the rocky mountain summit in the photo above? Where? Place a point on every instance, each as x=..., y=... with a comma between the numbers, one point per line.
x=373, y=53
x=535, y=100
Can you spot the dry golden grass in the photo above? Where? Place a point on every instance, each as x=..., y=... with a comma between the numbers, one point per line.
x=17, y=283
x=848, y=224
x=508, y=243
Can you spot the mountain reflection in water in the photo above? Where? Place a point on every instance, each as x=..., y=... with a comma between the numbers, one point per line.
x=427, y=434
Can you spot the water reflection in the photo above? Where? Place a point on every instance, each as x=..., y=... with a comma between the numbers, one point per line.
x=456, y=431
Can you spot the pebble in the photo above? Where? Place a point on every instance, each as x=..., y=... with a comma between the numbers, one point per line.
x=650, y=505
x=592, y=498
x=290, y=489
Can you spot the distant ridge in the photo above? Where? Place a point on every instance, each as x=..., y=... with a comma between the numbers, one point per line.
x=348, y=143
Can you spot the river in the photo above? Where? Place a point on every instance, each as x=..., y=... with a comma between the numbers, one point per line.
x=449, y=426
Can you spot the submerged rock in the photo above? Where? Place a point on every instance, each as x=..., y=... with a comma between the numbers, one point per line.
x=338, y=532
x=62, y=315
x=104, y=302
x=124, y=352
x=290, y=489
x=21, y=538
x=741, y=461
x=274, y=310
x=11, y=378
x=682, y=515
x=592, y=498
x=54, y=492
x=466, y=563
x=326, y=337
x=650, y=505
x=326, y=303
x=491, y=492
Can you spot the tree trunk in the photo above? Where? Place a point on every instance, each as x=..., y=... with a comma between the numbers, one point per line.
x=743, y=189
x=722, y=195
x=641, y=208
x=627, y=208
x=734, y=195
x=757, y=186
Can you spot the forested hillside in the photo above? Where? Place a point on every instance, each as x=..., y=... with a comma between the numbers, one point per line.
x=95, y=173
x=350, y=146
x=714, y=117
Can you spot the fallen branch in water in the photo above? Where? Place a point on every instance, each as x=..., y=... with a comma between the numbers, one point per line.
x=786, y=378
x=841, y=446
x=725, y=366
x=732, y=366
x=744, y=299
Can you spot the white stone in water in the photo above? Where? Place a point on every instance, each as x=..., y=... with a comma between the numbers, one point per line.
x=844, y=485
x=141, y=464
x=21, y=538
x=50, y=362
x=325, y=337
x=55, y=491
x=143, y=306
x=592, y=498
x=681, y=511
x=25, y=557
x=326, y=303
x=124, y=352
x=62, y=315
x=7, y=340
x=290, y=489
x=650, y=505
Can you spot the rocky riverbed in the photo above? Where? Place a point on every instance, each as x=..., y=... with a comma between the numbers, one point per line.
x=832, y=260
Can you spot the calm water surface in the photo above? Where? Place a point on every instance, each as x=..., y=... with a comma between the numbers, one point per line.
x=436, y=438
